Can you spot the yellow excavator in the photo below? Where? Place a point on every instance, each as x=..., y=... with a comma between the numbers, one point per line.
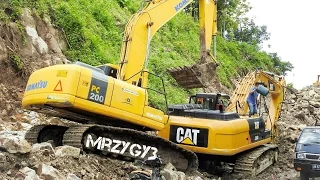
x=111, y=101
x=111, y=104
x=222, y=134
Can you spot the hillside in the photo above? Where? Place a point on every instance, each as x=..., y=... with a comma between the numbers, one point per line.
x=92, y=33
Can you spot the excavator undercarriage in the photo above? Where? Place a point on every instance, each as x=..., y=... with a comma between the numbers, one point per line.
x=247, y=164
x=110, y=141
x=256, y=160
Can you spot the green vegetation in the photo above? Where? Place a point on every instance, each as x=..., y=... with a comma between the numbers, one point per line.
x=16, y=62
x=94, y=32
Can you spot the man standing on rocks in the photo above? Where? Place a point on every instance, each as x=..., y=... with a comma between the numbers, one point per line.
x=252, y=100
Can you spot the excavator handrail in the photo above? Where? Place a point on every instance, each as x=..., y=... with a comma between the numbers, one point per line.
x=164, y=89
x=147, y=88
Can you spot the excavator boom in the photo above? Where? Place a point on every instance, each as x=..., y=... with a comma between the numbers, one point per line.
x=144, y=24
x=202, y=74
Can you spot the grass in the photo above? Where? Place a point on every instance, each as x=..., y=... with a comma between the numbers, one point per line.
x=94, y=31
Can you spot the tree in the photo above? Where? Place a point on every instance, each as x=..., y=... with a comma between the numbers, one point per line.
x=249, y=32
x=230, y=12
x=282, y=66
x=233, y=25
x=230, y=15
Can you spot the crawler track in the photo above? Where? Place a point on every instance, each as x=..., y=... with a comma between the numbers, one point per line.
x=255, y=161
x=117, y=142
x=43, y=133
x=129, y=143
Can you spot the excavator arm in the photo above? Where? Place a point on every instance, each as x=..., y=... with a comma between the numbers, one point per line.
x=144, y=24
x=276, y=86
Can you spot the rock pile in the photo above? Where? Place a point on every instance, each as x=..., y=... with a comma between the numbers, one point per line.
x=19, y=160
x=300, y=109
x=42, y=161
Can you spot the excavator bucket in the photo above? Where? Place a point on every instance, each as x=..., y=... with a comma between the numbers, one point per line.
x=194, y=76
x=202, y=75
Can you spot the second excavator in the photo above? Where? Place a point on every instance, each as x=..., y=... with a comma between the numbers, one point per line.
x=222, y=134
x=111, y=101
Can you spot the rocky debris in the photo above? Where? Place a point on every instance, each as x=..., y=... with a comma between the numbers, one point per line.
x=194, y=178
x=86, y=166
x=63, y=151
x=43, y=148
x=72, y=177
x=172, y=175
x=170, y=172
x=12, y=143
x=29, y=174
x=298, y=111
x=3, y=51
x=48, y=172
x=3, y=161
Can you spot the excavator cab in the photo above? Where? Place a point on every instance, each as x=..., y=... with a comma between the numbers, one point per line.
x=109, y=69
x=205, y=101
x=211, y=101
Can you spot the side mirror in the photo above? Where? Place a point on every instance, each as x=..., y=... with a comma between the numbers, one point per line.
x=295, y=139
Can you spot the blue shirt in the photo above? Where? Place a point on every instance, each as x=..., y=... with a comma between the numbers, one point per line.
x=252, y=97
